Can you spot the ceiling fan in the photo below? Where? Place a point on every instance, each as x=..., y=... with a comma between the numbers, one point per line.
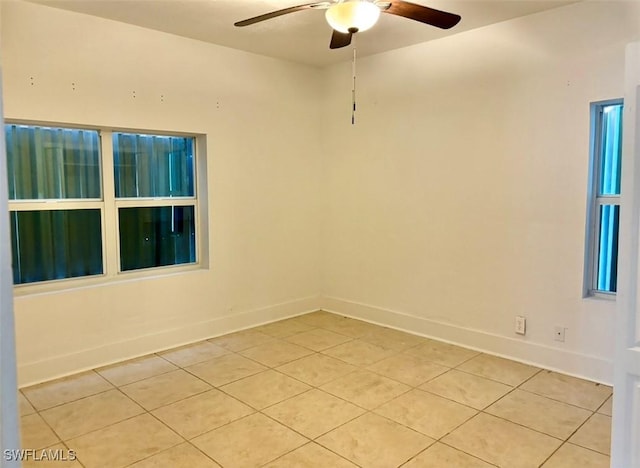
x=348, y=17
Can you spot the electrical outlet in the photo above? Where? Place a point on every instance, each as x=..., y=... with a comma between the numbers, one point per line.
x=521, y=325
x=558, y=334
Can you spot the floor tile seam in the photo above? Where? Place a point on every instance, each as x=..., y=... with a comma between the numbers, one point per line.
x=440, y=363
x=309, y=439
x=253, y=360
x=46, y=445
x=143, y=411
x=555, y=400
x=608, y=455
x=208, y=358
x=195, y=363
x=200, y=394
x=582, y=446
x=331, y=380
x=70, y=401
x=604, y=403
x=400, y=349
x=280, y=336
x=239, y=350
x=400, y=381
x=183, y=369
x=191, y=439
x=66, y=446
x=308, y=443
x=73, y=401
x=309, y=390
x=149, y=410
x=275, y=369
x=531, y=377
x=552, y=454
x=538, y=431
x=493, y=379
x=376, y=407
x=560, y=401
x=466, y=453
x=363, y=366
x=279, y=364
x=67, y=441
x=450, y=400
x=416, y=430
x=182, y=439
x=203, y=453
x=323, y=349
x=58, y=442
x=433, y=442
x=157, y=354
x=353, y=337
x=534, y=429
x=255, y=410
x=371, y=412
x=137, y=380
x=231, y=381
x=351, y=340
x=245, y=330
x=166, y=450
x=512, y=390
x=271, y=405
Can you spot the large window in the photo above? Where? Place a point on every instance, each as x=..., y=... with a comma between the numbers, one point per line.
x=90, y=202
x=604, y=201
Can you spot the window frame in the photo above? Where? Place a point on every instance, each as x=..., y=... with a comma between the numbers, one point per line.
x=595, y=201
x=109, y=205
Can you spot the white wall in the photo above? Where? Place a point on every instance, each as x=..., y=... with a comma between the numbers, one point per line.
x=259, y=115
x=455, y=203
x=458, y=199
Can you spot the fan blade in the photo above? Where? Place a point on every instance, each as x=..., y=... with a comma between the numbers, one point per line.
x=440, y=19
x=339, y=40
x=275, y=14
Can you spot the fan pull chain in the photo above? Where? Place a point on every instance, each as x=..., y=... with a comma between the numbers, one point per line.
x=353, y=89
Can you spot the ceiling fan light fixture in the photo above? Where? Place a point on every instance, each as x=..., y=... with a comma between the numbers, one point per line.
x=352, y=16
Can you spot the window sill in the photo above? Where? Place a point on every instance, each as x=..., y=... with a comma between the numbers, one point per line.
x=600, y=296
x=72, y=284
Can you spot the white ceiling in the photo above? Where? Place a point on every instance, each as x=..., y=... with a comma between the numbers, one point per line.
x=299, y=37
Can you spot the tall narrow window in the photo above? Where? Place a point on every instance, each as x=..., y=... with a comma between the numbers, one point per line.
x=604, y=203
x=156, y=199
x=55, y=202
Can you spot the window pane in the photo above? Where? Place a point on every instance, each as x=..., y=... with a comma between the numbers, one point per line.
x=607, y=273
x=611, y=149
x=57, y=244
x=156, y=236
x=49, y=163
x=153, y=166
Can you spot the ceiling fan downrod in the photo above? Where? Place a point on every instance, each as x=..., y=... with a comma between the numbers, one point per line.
x=353, y=88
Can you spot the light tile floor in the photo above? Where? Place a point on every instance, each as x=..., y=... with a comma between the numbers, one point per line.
x=319, y=390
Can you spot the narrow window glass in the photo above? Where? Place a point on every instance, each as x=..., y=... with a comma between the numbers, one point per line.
x=611, y=150
x=152, y=166
x=56, y=244
x=607, y=279
x=156, y=236
x=52, y=163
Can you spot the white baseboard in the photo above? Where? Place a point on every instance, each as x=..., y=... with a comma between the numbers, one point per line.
x=572, y=363
x=63, y=365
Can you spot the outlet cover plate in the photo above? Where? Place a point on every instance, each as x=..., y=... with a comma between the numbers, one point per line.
x=521, y=325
